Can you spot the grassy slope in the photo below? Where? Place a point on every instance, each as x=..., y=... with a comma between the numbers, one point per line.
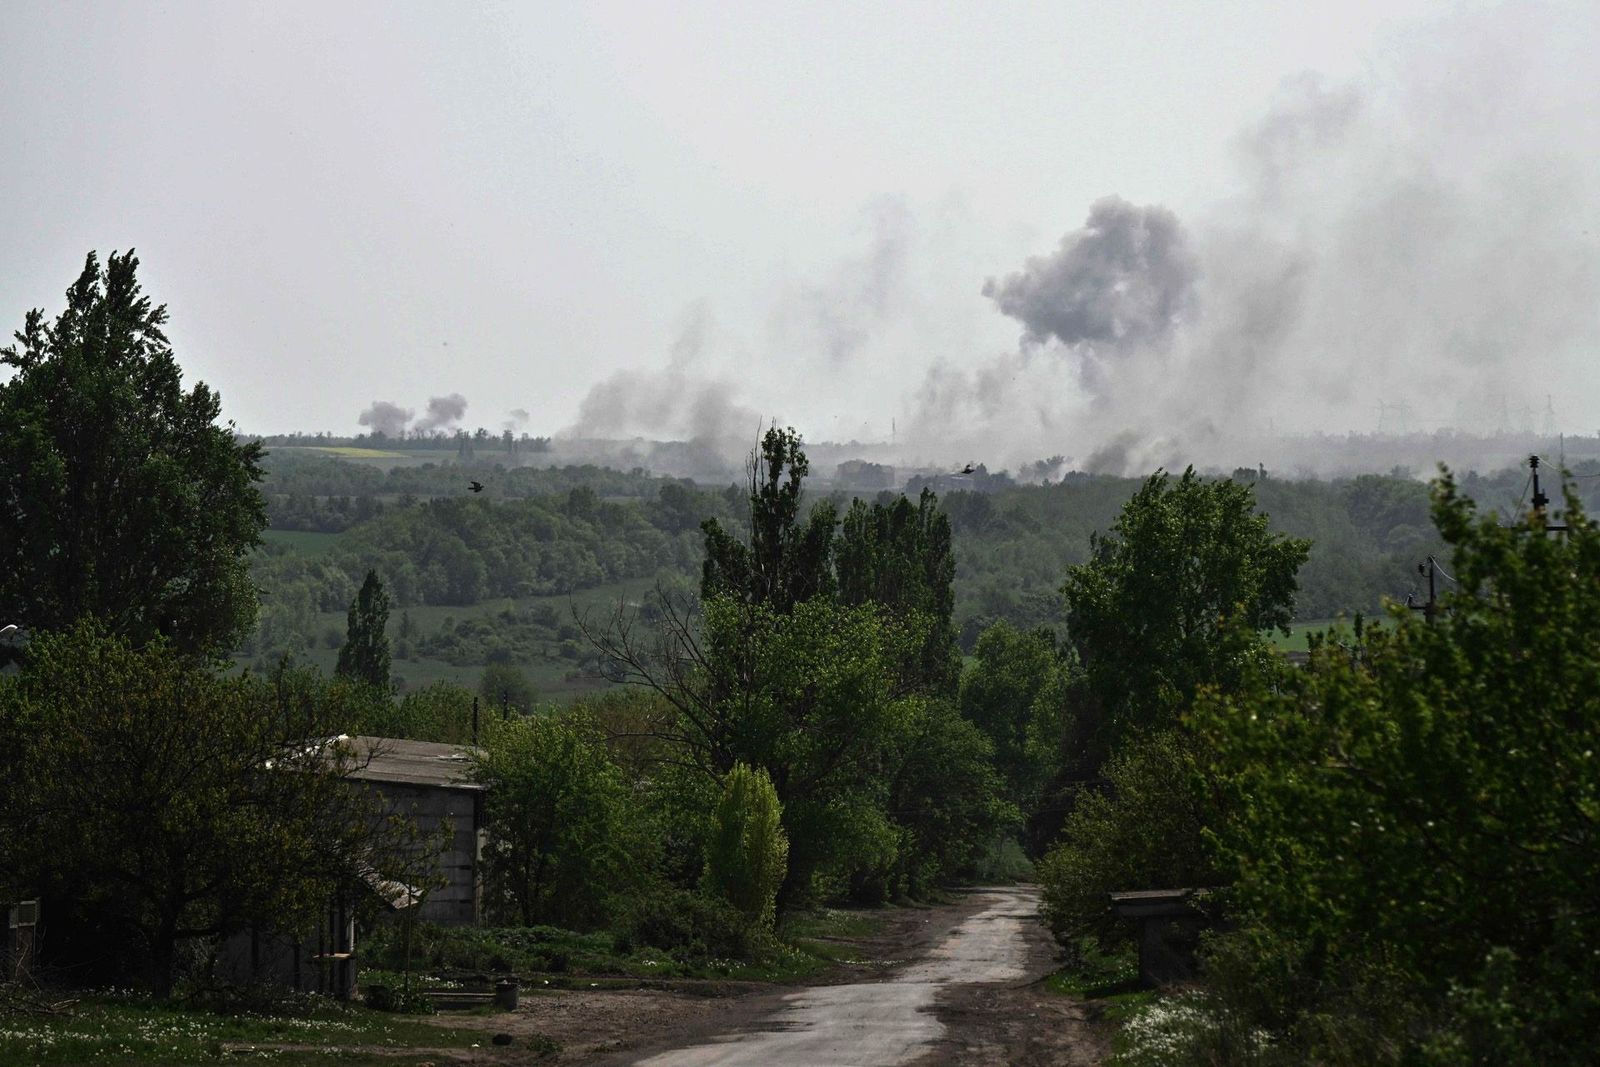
x=549, y=675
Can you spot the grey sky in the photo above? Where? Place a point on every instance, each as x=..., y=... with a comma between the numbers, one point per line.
x=706, y=211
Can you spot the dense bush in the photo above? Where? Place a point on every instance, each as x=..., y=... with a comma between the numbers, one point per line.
x=687, y=925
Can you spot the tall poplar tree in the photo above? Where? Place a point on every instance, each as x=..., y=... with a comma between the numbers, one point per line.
x=365, y=655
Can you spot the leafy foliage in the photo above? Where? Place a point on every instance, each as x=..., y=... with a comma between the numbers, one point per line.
x=1143, y=831
x=747, y=853
x=555, y=811
x=120, y=496
x=156, y=803
x=898, y=555
x=1423, y=805
x=786, y=561
x=365, y=656
x=1150, y=613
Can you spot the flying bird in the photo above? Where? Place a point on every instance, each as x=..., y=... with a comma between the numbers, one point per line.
x=476, y=487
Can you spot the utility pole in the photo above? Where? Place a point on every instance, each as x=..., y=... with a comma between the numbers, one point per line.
x=1430, y=610
x=1540, y=500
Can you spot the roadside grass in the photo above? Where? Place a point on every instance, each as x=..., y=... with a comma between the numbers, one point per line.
x=829, y=933
x=546, y=957
x=1097, y=974
x=116, y=1029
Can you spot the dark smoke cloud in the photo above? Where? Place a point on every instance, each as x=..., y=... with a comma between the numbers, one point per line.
x=1122, y=281
x=386, y=418
x=1422, y=238
x=443, y=412
x=517, y=418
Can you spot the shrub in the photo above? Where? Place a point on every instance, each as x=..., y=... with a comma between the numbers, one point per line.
x=687, y=925
x=747, y=852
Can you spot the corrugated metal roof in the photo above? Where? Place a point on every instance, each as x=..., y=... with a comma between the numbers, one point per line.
x=389, y=759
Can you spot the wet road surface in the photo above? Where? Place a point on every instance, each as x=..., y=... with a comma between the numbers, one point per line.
x=878, y=1024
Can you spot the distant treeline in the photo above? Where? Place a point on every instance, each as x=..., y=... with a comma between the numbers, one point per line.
x=322, y=493
x=543, y=531
x=424, y=440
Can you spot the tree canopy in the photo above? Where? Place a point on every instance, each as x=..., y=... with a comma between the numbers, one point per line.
x=158, y=803
x=1415, y=819
x=1172, y=598
x=121, y=497
x=365, y=655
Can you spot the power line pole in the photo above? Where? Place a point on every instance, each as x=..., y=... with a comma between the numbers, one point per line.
x=1540, y=500
x=1430, y=610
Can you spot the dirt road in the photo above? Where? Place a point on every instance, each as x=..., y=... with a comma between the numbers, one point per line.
x=913, y=1016
x=934, y=987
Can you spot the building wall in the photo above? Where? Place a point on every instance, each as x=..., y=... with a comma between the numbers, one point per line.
x=459, y=900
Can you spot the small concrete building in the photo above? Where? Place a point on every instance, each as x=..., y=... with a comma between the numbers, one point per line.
x=431, y=783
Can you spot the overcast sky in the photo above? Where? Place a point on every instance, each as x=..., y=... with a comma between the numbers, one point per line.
x=653, y=217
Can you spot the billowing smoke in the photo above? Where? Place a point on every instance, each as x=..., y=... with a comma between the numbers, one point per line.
x=517, y=419
x=682, y=402
x=388, y=419
x=1122, y=282
x=1425, y=239
x=443, y=412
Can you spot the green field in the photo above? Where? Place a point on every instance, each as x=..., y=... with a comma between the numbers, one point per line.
x=552, y=676
x=301, y=542
x=378, y=457
x=1295, y=640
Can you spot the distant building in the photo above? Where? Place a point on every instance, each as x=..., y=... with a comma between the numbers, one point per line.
x=862, y=474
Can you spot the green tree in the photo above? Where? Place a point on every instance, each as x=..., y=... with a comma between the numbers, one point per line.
x=999, y=694
x=1422, y=806
x=1145, y=831
x=555, y=809
x=1172, y=597
x=945, y=796
x=505, y=688
x=120, y=496
x=788, y=559
x=747, y=853
x=898, y=554
x=365, y=656
x=157, y=804
x=1169, y=605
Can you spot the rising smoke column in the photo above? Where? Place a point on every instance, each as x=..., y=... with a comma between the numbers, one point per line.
x=443, y=412
x=386, y=418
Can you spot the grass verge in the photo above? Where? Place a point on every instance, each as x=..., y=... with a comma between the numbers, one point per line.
x=117, y=1029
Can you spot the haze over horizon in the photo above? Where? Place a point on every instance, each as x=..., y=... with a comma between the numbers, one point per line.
x=1002, y=233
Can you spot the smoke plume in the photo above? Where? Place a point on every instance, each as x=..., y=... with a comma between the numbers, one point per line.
x=443, y=412
x=1424, y=238
x=838, y=314
x=683, y=402
x=388, y=419
x=1120, y=283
